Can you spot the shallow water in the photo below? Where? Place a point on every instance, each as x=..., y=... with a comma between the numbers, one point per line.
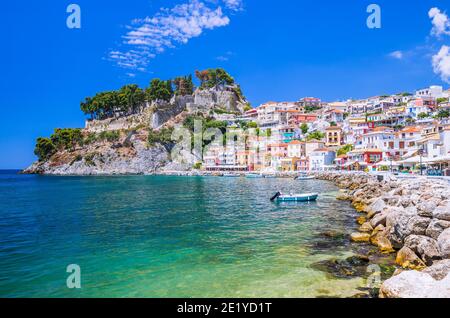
x=151, y=236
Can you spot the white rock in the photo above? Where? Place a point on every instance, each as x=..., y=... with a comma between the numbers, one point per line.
x=436, y=227
x=414, y=284
x=439, y=270
x=425, y=247
x=443, y=242
x=442, y=212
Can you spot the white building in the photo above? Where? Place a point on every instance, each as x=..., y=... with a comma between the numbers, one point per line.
x=296, y=149
x=434, y=91
x=319, y=159
x=377, y=138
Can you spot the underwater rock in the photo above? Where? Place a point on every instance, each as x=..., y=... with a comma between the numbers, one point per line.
x=354, y=266
x=360, y=237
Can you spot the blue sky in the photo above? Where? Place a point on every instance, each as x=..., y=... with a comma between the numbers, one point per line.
x=277, y=50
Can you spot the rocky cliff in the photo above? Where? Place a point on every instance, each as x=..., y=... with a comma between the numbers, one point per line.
x=129, y=155
x=129, y=152
x=217, y=98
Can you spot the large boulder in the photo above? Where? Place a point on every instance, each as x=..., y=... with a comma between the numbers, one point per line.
x=385, y=245
x=406, y=258
x=426, y=209
x=436, y=227
x=404, y=201
x=425, y=247
x=379, y=219
x=442, y=212
x=443, y=242
x=376, y=207
x=439, y=270
x=414, y=284
x=397, y=225
x=392, y=200
x=417, y=225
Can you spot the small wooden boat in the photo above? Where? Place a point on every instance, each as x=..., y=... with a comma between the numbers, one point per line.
x=304, y=197
x=304, y=177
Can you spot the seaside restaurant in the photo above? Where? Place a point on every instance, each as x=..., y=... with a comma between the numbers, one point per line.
x=438, y=166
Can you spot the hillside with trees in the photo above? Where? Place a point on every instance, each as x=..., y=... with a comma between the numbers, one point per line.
x=109, y=144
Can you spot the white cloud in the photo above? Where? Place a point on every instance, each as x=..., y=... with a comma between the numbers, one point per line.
x=222, y=58
x=441, y=63
x=233, y=4
x=440, y=21
x=150, y=36
x=225, y=57
x=396, y=55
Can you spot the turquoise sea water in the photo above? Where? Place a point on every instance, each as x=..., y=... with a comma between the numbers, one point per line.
x=149, y=236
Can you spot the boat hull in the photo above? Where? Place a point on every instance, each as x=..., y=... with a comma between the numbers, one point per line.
x=305, y=178
x=306, y=198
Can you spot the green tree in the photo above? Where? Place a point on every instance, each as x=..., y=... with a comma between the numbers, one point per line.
x=443, y=113
x=110, y=136
x=44, y=149
x=162, y=136
x=214, y=76
x=304, y=128
x=344, y=150
x=252, y=124
x=310, y=109
x=130, y=98
x=441, y=100
x=159, y=90
x=66, y=138
x=317, y=135
x=423, y=116
x=184, y=85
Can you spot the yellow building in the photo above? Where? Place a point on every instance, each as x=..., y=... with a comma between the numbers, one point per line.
x=334, y=136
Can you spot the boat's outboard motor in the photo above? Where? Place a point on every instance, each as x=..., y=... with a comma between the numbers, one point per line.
x=275, y=196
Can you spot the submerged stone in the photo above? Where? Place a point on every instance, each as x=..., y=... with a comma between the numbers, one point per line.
x=354, y=266
x=360, y=237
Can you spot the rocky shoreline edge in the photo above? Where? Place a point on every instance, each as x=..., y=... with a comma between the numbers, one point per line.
x=409, y=217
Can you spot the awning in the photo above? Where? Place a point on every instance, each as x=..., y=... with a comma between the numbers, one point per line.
x=415, y=159
x=411, y=153
x=387, y=163
x=439, y=159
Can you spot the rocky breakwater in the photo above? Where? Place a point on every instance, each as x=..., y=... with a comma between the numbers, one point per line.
x=409, y=217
